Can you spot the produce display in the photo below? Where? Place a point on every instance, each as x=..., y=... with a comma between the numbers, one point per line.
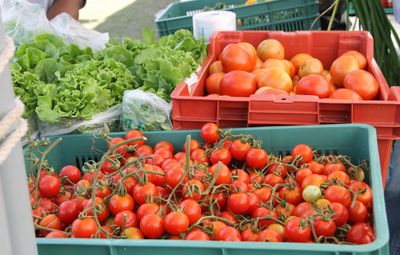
x=243, y=70
x=58, y=82
x=224, y=188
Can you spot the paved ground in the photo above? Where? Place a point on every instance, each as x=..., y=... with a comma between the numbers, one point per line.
x=121, y=17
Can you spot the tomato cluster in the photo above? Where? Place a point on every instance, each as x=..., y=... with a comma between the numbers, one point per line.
x=229, y=189
x=243, y=70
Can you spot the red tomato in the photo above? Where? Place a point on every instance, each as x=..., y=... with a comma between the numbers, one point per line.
x=120, y=203
x=269, y=235
x=182, y=155
x=302, y=208
x=164, y=153
x=332, y=167
x=101, y=209
x=121, y=150
x=144, y=192
x=221, y=155
x=209, y=133
x=291, y=195
x=338, y=194
x=360, y=233
x=238, y=84
x=313, y=179
x=199, y=155
x=156, y=179
x=239, y=149
x=304, y=151
x=168, y=164
x=302, y=174
x=68, y=211
x=132, y=134
x=341, y=215
x=176, y=223
x=228, y=234
x=278, y=169
x=213, y=83
x=256, y=158
x=50, y=221
x=345, y=94
x=152, y=226
x=241, y=175
x=146, y=208
x=194, y=144
x=70, y=173
x=238, y=57
x=129, y=183
x=49, y=186
x=313, y=84
x=358, y=213
x=84, y=228
x=126, y=219
x=192, y=209
x=57, y=234
x=273, y=179
x=363, y=83
x=106, y=232
x=107, y=167
x=227, y=144
x=284, y=211
x=197, y=235
x=193, y=189
x=297, y=231
x=62, y=197
x=316, y=168
x=340, y=176
x=102, y=192
x=238, y=203
x=248, y=235
x=215, y=227
x=133, y=233
x=224, y=176
x=254, y=202
x=262, y=212
x=164, y=145
x=239, y=186
x=174, y=175
x=365, y=192
x=324, y=227
x=264, y=194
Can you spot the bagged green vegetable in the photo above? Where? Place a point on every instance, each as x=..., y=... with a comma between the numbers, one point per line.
x=144, y=111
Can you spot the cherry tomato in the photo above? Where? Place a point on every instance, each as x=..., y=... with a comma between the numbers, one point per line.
x=254, y=202
x=273, y=179
x=269, y=235
x=302, y=174
x=101, y=209
x=194, y=144
x=209, y=133
x=341, y=215
x=146, y=208
x=62, y=197
x=291, y=195
x=176, y=223
x=144, y=192
x=165, y=145
x=152, y=226
x=248, y=235
x=296, y=230
x=311, y=193
x=228, y=234
x=313, y=179
x=239, y=186
x=238, y=203
x=70, y=173
x=126, y=219
x=49, y=186
x=199, y=155
x=50, y=221
x=324, y=227
x=68, y=211
x=133, y=233
x=197, y=235
x=316, y=168
x=132, y=134
x=192, y=209
x=220, y=155
x=56, y=234
x=284, y=211
x=278, y=169
x=121, y=150
x=340, y=176
x=239, y=149
x=224, y=176
x=174, y=175
x=332, y=167
x=360, y=233
x=338, y=194
x=358, y=212
x=263, y=193
x=304, y=151
x=120, y=203
x=256, y=158
x=84, y=228
x=302, y=208
x=241, y=175
x=262, y=212
x=365, y=195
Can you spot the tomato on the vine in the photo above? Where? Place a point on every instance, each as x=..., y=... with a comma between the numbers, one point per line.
x=209, y=133
x=119, y=203
x=176, y=223
x=220, y=155
x=297, y=230
x=360, y=233
x=84, y=228
x=256, y=158
x=239, y=149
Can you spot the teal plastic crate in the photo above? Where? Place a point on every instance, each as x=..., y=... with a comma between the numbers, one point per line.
x=357, y=141
x=284, y=15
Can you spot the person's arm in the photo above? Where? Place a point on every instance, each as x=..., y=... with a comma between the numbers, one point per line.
x=69, y=6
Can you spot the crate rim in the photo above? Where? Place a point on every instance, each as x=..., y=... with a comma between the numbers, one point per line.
x=381, y=233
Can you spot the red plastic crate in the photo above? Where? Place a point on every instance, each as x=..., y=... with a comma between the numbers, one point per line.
x=191, y=109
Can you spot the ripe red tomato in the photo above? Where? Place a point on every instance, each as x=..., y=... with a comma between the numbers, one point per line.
x=57, y=234
x=284, y=211
x=146, y=208
x=256, y=158
x=209, y=133
x=174, y=175
x=224, y=176
x=164, y=145
x=324, y=227
x=120, y=203
x=273, y=179
x=62, y=197
x=156, y=179
x=238, y=203
x=129, y=183
x=50, y=221
x=316, y=168
x=304, y=151
x=144, y=192
x=238, y=84
x=341, y=215
x=220, y=155
x=363, y=83
x=68, y=211
x=213, y=82
x=291, y=195
x=238, y=57
x=84, y=228
x=365, y=195
x=193, y=189
x=332, y=167
x=101, y=209
x=239, y=186
x=239, y=149
x=197, y=235
x=176, y=223
x=357, y=213
x=49, y=186
x=152, y=226
x=107, y=167
x=132, y=134
x=121, y=150
x=360, y=233
x=338, y=194
x=102, y=192
x=343, y=177
x=302, y=208
x=70, y=173
x=264, y=194
x=254, y=202
x=262, y=212
x=192, y=209
x=269, y=235
x=240, y=175
x=302, y=174
x=296, y=230
x=229, y=216
x=313, y=84
x=194, y=144
x=228, y=234
x=248, y=235
x=199, y=155
x=126, y=219
x=313, y=179
x=278, y=169
x=164, y=153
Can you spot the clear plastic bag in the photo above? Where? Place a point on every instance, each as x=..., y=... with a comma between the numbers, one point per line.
x=94, y=125
x=145, y=111
x=23, y=20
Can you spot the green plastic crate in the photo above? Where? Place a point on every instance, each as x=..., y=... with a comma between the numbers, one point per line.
x=285, y=15
x=357, y=141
